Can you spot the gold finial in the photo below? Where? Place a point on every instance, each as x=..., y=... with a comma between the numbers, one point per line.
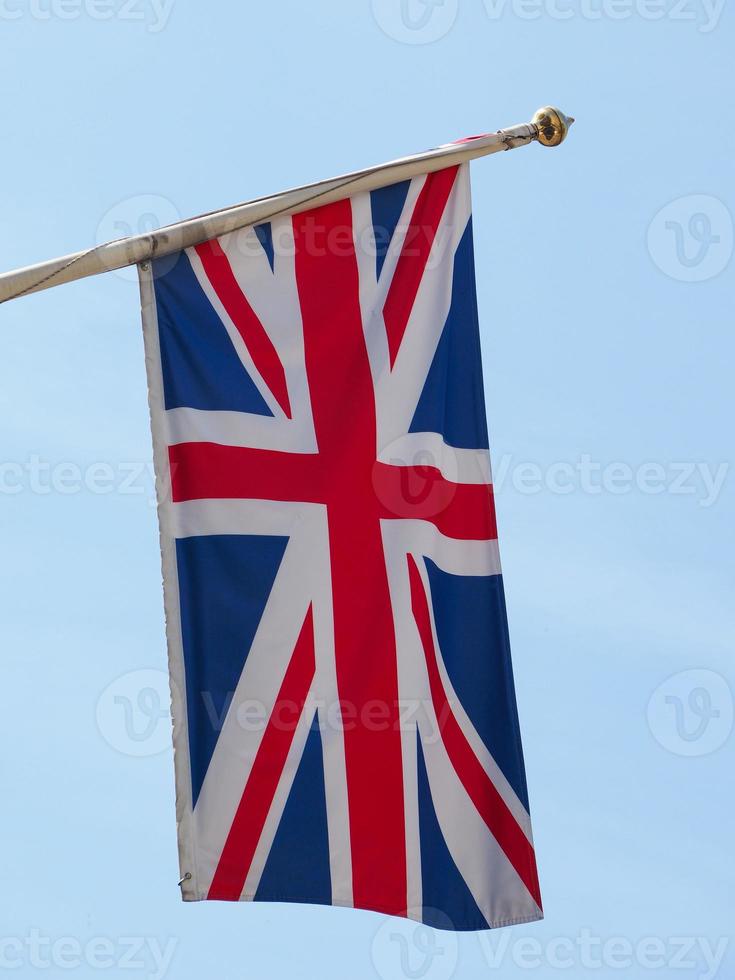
x=552, y=125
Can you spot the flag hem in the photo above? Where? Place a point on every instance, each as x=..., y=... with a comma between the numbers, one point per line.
x=335, y=903
x=182, y=764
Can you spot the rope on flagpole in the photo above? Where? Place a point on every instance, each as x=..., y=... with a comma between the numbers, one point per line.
x=548, y=127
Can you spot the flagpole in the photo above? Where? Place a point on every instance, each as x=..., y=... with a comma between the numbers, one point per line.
x=549, y=127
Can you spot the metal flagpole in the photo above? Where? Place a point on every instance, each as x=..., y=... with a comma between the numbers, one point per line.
x=548, y=127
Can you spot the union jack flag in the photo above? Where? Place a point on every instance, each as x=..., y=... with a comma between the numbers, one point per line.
x=345, y=727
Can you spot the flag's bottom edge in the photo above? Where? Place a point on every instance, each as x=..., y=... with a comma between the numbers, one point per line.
x=497, y=924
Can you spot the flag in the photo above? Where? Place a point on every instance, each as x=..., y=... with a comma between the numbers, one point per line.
x=345, y=726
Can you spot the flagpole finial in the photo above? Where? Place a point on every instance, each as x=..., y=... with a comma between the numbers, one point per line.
x=552, y=125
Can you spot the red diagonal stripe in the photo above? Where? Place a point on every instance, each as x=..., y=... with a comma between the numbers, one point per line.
x=459, y=510
x=489, y=803
x=257, y=798
x=425, y=221
x=264, y=355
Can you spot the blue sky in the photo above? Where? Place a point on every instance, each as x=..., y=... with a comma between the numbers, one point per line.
x=608, y=348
